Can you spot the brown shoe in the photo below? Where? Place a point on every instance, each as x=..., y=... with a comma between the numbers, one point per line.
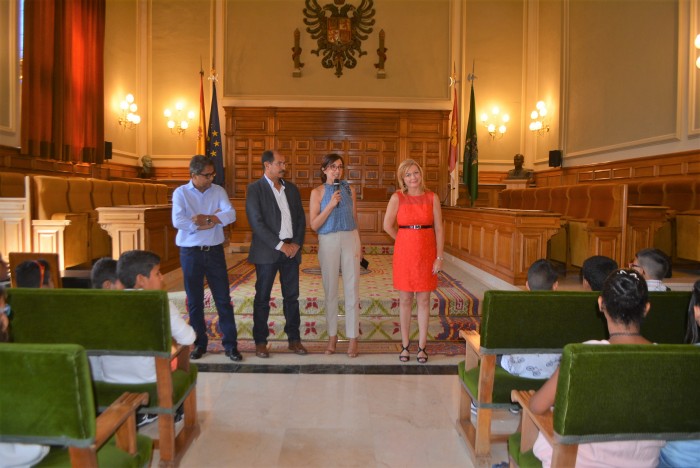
x=261, y=350
x=297, y=348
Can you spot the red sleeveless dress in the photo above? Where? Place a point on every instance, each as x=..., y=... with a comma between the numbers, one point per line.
x=415, y=250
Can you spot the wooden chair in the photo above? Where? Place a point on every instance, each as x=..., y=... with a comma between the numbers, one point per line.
x=529, y=322
x=126, y=323
x=46, y=398
x=614, y=392
x=15, y=258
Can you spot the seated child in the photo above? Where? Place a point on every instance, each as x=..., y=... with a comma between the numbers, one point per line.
x=682, y=453
x=653, y=265
x=540, y=277
x=16, y=454
x=624, y=302
x=595, y=270
x=140, y=269
x=104, y=274
x=33, y=274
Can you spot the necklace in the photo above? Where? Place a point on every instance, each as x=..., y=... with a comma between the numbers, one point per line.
x=625, y=334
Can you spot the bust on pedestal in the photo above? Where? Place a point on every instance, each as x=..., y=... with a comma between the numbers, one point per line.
x=518, y=177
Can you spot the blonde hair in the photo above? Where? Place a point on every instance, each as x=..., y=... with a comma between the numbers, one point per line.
x=401, y=172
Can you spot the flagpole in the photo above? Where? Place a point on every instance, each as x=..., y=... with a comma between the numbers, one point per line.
x=471, y=151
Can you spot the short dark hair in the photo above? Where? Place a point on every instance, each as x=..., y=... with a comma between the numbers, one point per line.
x=328, y=160
x=596, y=268
x=104, y=269
x=133, y=263
x=198, y=163
x=541, y=276
x=32, y=274
x=268, y=156
x=654, y=262
x=625, y=296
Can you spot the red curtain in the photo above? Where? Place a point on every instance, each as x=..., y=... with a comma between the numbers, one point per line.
x=63, y=80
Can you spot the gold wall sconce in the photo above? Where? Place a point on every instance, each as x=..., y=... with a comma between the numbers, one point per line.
x=177, y=122
x=495, y=123
x=128, y=118
x=539, y=121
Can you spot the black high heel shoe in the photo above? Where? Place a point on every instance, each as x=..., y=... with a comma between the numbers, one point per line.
x=421, y=359
x=403, y=358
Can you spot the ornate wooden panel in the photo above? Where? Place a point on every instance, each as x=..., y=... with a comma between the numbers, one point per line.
x=372, y=142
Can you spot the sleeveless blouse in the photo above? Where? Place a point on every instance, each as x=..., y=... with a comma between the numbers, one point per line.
x=341, y=218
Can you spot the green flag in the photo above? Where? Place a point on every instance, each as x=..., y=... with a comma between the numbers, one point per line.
x=471, y=154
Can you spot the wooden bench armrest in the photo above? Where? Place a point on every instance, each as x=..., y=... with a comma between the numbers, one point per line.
x=182, y=354
x=532, y=423
x=473, y=348
x=120, y=418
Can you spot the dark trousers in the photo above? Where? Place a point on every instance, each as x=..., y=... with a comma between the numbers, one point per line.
x=196, y=265
x=289, y=280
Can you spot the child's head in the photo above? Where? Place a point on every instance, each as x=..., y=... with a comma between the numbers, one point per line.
x=104, y=274
x=652, y=263
x=140, y=269
x=624, y=297
x=541, y=276
x=692, y=336
x=33, y=274
x=594, y=271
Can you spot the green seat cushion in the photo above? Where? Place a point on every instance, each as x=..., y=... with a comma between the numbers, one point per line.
x=502, y=385
x=109, y=455
x=523, y=460
x=183, y=382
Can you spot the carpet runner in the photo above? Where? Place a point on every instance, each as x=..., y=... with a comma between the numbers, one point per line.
x=453, y=308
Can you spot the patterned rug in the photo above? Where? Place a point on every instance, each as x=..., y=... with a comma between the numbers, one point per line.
x=452, y=306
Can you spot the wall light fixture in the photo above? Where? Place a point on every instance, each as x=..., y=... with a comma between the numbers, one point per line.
x=128, y=118
x=495, y=123
x=177, y=123
x=540, y=121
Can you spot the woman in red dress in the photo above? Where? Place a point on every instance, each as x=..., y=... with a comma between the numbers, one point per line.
x=414, y=219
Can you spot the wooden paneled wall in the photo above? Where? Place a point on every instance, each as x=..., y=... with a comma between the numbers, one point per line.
x=677, y=165
x=372, y=142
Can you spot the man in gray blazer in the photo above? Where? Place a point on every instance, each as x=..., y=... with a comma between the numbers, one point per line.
x=277, y=219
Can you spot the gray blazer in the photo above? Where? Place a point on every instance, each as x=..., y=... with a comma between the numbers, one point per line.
x=265, y=219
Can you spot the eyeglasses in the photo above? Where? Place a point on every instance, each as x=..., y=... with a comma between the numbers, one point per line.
x=336, y=167
x=210, y=175
x=280, y=163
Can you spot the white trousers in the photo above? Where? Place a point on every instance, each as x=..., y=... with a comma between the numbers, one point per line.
x=336, y=251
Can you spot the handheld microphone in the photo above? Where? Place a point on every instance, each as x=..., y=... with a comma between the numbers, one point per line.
x=336, y=184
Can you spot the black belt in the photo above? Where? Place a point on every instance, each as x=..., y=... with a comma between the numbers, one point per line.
x=417, y=226
x=287, y=240
x=203, y=248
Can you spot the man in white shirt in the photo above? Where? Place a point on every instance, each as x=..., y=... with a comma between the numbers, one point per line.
x=653, y=264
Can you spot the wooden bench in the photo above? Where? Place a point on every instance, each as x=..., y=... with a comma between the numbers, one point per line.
x=664, y=214
x=46, y=398
x=593, y=218
x=127, y=323
x=529, y=322
x=599, y=399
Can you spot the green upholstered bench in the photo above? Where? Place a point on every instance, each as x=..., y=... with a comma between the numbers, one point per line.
x=127, y=323
x=527, y=322
x=614, y=392
x=46, y=398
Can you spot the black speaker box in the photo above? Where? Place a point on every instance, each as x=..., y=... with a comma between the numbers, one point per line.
x=555, y=158
x=108, y=150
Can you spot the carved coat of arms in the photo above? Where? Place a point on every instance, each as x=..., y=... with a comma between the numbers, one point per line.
x=339, y=30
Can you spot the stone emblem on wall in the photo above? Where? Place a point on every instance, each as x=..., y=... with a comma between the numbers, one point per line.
x=339, y=30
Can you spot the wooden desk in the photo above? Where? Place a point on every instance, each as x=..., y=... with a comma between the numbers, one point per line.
x=501, y=241
x=142, y=227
